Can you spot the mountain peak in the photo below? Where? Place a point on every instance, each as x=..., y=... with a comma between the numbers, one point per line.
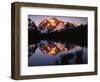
x=51, y=24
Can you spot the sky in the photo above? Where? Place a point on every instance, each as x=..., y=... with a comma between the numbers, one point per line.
x=77, y=20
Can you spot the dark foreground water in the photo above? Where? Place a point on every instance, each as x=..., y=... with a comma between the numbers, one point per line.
x=44, y=53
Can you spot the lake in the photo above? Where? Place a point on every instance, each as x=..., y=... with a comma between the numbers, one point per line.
x=47, y=52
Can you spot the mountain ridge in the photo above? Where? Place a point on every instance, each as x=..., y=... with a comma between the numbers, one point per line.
x=52, y=25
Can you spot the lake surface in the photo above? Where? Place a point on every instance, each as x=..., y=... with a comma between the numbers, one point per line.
x=45, y=53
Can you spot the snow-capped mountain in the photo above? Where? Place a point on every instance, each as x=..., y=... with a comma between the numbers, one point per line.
x=53, y=24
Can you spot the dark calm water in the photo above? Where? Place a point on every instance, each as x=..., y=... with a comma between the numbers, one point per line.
x=45, y=53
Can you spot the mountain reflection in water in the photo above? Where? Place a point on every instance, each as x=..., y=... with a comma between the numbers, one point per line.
x=56, y=53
